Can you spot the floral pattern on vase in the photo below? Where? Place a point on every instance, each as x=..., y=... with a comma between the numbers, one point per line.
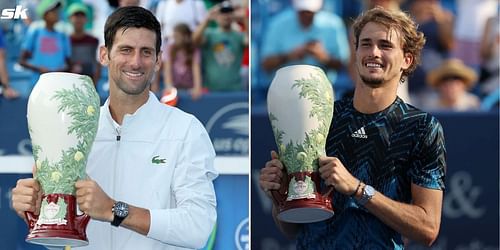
x=80, y=103
x=313, y=93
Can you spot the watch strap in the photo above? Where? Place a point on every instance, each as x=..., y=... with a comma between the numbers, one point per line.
x=117, y=221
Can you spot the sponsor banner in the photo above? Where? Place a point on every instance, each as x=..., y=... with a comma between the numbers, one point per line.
x=470, y=218
x=232, y=231
x=225, y=116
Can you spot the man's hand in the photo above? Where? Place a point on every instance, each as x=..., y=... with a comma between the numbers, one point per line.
x=297, y=54
x=27, y=196
x=10, y=93
x=93, y=201
x=334, y=173
x=271, y=176
x=318, y=51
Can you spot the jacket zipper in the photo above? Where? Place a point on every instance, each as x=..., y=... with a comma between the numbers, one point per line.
x=118, y=138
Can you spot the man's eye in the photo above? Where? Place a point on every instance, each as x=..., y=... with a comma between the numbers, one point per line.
x=386, y=46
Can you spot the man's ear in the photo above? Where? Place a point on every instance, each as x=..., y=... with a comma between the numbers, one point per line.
x=158, y=61
x=103, y=56
x=408, y=60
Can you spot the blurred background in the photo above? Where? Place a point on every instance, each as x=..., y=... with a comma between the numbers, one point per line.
x=457, y=82
x=219, y=102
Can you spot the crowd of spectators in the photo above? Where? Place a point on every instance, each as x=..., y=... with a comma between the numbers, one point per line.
x=204, y=43
x=459, y=68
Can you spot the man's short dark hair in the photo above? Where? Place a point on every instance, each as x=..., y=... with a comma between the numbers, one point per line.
x=131, y=17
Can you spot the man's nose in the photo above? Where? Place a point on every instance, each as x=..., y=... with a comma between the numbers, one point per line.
x=135, y=60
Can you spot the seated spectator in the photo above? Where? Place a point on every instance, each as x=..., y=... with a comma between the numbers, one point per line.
x=182, y=67
x=222, y=49
x=490, y=56
x=437, y=25
x=491, y=102
x=5, y=88
x=452, y=80
x=471, y=18
x=83, y=46
x=45, y=49
x=305, y=35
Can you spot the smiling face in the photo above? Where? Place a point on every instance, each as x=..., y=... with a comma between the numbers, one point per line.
x=132, y=61
x=452, y=88
x=379, y=56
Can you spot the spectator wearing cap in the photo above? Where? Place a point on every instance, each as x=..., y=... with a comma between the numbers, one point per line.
x=452, y=80
x=45, y=49
x=83, y=46
x=306, y=35
x=222, y=49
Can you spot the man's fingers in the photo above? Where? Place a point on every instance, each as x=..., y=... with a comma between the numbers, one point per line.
x=274, y=155
x=87, y=182
x=325, y=160
x=80, y=192
x=27, y=183
x=274, y=163
x=266, y=185
x=38, y=203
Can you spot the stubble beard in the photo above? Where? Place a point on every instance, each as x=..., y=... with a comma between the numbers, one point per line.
x=373, y=82
x=130, y=90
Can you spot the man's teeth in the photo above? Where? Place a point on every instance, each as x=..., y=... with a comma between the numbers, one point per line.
x=133, y=74
x=373, y=65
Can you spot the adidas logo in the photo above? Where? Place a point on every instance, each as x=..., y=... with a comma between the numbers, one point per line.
x=360, y=133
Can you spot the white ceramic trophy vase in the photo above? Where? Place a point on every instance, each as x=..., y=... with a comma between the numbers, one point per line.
x=300, y=107
x=63, y=115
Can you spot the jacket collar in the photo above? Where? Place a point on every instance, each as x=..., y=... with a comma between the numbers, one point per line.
x=139, y=126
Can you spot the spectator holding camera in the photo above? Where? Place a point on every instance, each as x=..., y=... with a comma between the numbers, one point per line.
x=222, y=49
x=306, y=35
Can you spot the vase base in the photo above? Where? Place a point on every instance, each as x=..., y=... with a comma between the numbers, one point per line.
x=57, y=242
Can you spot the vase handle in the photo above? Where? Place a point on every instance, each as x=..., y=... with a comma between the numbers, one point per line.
x=328, y=192
x=31, y=219
x=81, y=222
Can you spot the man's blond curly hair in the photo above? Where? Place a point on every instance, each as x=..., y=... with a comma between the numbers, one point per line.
x=412, y=40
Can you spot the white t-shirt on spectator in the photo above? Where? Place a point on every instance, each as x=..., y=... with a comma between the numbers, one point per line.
x=173, y=12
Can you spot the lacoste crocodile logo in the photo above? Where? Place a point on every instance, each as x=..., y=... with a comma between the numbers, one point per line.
x=155, y=160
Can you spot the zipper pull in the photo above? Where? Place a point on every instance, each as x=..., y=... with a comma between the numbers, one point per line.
x=118, y=136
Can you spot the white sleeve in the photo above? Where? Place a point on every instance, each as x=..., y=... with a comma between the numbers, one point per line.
x=160, y=9
x=191, y=222
x=201, y=11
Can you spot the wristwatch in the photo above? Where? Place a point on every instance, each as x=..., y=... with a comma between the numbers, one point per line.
x=120, y=212
x=368, y=193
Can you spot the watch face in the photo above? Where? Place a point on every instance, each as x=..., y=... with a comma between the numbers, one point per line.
x=369, y=191
x=121, y=209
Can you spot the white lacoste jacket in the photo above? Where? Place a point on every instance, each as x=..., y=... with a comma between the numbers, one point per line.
x=161, y=159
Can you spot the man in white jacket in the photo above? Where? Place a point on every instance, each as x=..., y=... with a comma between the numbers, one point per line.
x=151, y=166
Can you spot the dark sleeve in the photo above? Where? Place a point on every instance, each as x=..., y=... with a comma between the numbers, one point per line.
x=428, y=166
